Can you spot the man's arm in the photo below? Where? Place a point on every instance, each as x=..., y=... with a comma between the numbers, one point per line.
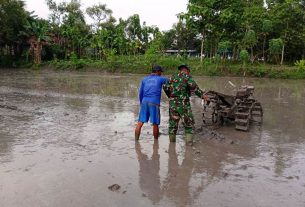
x=194, y=87
x=141, y=92
x=164, y=80
x=166, y=88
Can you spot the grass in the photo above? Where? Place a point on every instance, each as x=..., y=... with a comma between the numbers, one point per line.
x=141, y=64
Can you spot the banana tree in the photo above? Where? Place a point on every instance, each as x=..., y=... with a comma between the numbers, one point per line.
x=37, y=32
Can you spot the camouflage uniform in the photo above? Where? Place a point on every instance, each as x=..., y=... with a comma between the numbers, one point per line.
x=178, y=89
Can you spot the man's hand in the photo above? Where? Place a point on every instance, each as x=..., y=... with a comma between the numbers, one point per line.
x=205, y=97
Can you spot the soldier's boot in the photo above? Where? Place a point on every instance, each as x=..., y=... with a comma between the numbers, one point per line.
x=172, y=137
x=189, y=139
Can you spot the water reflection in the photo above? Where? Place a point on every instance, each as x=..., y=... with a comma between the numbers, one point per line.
x=149, y=177
x=177, y=183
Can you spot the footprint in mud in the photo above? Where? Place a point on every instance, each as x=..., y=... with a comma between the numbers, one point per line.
x=39, y=113
x=9, y=107
x=114, y=187
x=243, y=167
x=266, y=168
x=225, y=174
x=210, y=134
x=289, y=177
x=250, y=176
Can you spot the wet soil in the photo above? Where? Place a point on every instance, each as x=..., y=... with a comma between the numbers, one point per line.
x=67, y=139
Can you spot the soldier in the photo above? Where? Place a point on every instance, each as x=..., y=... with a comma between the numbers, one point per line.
x=178, y=89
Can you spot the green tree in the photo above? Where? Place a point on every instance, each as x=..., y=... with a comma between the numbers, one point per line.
x=99, y=13
x=288, y=17
x=203, y=15
x=134, y=33
x=156, y=47
x=249, y=41
x=37, y=33
x=224, y=48
x=244, y=56
x=120, y=40
x=73, y=26
x=266, y=29
x=13, y=18
x=168, y=39
x=185, y=36
x=275, y=47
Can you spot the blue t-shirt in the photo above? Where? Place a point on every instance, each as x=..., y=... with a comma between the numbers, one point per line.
x=151, y=88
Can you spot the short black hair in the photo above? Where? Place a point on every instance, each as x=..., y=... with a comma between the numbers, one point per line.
x=156, y=68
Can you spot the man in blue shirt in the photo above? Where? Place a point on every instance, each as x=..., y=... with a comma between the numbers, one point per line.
x=150, y=95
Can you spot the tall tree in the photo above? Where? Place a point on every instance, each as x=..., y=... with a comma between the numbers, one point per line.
x=99, y=13
x=13, y=18
x=289, y=17
x=37, y=33
x=266, y=29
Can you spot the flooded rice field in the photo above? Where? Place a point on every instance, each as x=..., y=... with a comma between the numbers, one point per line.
x=67, y=138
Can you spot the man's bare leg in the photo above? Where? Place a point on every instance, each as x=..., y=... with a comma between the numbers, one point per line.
x=156, y=131
x=138, y=130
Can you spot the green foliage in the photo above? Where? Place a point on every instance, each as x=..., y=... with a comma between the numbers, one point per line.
x=224, y=46
x=98, y=13
x=73, y=63
x=249, y=24
x=13, y=18
x=250, y=39
x=244, y=55
x=300, y=64
x=211, y=26
x=155, y=48
x=141, y=65
x=275, y=46
x=267, y=26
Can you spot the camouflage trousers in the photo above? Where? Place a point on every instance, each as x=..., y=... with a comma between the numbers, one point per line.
x=180, y=109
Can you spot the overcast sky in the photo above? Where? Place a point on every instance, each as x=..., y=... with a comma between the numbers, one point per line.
x=161, y=13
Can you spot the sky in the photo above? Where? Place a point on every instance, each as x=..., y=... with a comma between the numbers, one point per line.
x=161, y=13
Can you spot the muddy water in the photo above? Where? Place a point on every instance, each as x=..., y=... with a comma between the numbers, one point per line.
x=66, y=137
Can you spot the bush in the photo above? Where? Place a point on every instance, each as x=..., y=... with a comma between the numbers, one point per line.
x=142, y=65
x=300, y=65
x=244, y=56
x=258, y=71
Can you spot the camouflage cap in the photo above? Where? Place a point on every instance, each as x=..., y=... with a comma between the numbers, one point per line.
x=180, y=67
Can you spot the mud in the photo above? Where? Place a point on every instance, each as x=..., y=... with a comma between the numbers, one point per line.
x=66, y=137
x=114, y=187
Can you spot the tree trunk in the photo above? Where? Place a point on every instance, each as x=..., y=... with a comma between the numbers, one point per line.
x=202, y=47
x=282, y=58
x=201, y=51
x=264, y=43
x=234, y=53
x=37, y=53
x=283, y=48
